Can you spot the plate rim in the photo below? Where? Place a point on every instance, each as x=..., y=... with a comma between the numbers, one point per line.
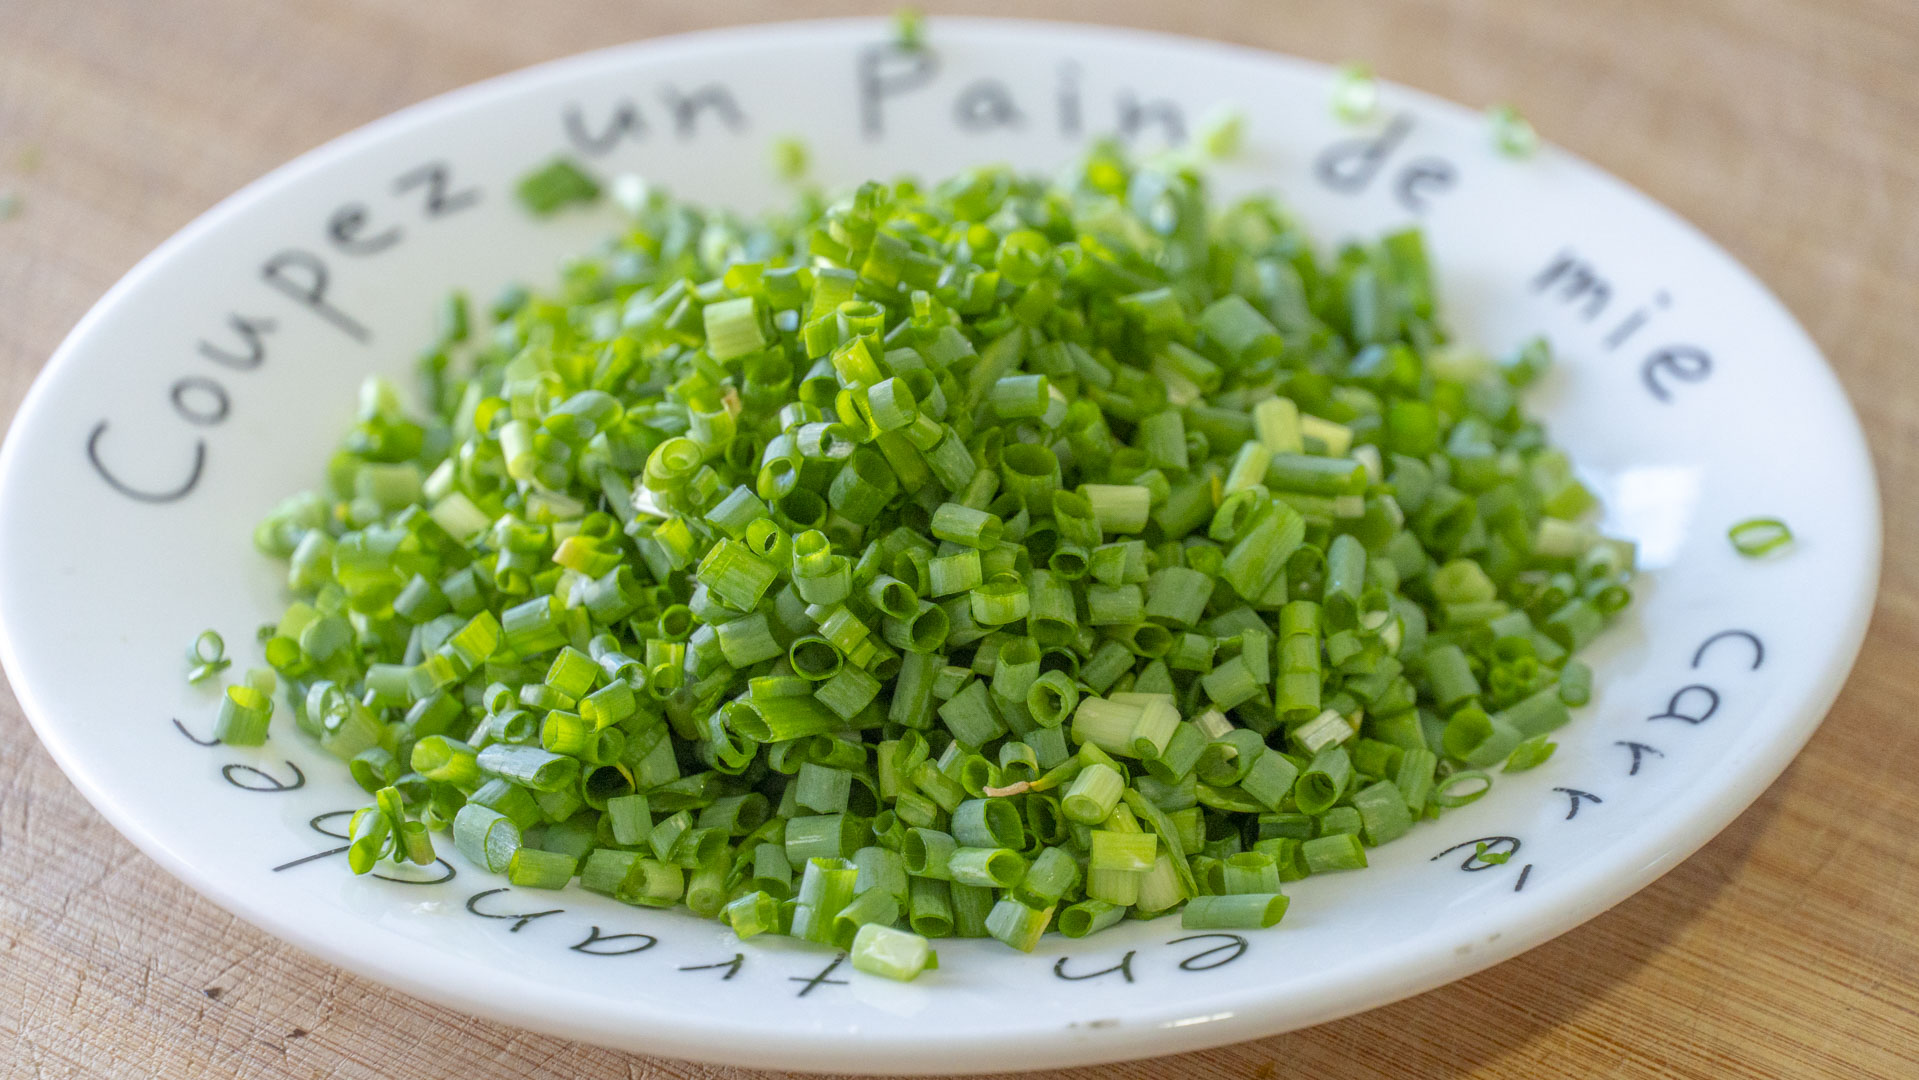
x=1561, y=905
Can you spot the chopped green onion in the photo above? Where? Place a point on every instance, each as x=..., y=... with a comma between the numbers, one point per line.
x=997, y=868
x=1089, y=917
x=244, y=713
x=734, y=328
x=1340, y=851
x=208, y=657
x=1513, y=134
x=1575, y=683
x=1122, y=851
x=909, y=29
x=1220, y=133
x=790, y=159
x=485, y=837
x=1529, y=753
x=1118, y=508
x=1755, y=537
x=1093, y=794
x=894, y=954
x=1249, y=872
x=975, y=557
x=1461, y=788
x=755, y=913
x=1018, y=925
x=1383, y=814
x=1249, y=911
x=965, y=525
x=1355, y=93
x=535, y=869
x=557, y=184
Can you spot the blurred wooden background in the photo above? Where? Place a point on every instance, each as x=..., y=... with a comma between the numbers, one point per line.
x=1786, y=129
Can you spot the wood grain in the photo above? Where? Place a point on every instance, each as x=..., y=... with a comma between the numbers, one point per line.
x=1789, y=947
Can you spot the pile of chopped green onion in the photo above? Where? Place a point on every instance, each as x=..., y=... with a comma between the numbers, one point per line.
x=970, y=559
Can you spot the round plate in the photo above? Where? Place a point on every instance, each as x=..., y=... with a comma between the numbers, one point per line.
x=217, y=376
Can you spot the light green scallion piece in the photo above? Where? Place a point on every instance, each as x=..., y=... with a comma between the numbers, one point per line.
x=208, y=655
x=1760, y=536
x=791, y=159
x=1513, y=134
x=1355, y=93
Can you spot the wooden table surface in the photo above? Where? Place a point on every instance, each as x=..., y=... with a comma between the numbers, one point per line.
x=1788, y=947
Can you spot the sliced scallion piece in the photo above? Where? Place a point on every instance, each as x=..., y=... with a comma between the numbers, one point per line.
x=1355, y=93
x=558, y=184
x=1513, y=134
x=208, y=655
x=1756, y=537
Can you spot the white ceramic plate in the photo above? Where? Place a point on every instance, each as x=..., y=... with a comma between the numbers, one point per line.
x=211, y=381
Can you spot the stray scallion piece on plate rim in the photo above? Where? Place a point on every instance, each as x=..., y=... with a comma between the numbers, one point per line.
x=1513, y=134
x=557, y=184
x=1221, y=134
x=1494, y=858
x=1760, y=536
x=1355, y=93
x=909, y=29
x=980, y=557
x=791, y=159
